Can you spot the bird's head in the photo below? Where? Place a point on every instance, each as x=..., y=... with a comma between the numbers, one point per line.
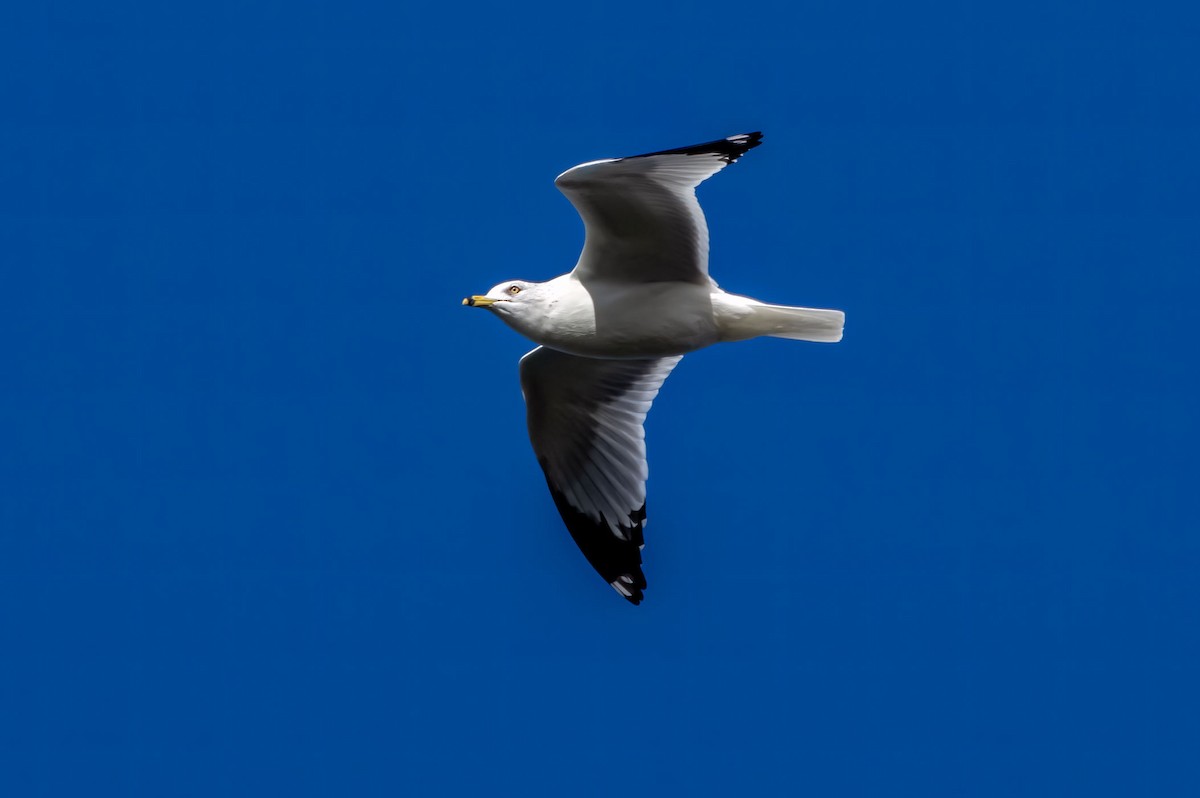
x=506, y=299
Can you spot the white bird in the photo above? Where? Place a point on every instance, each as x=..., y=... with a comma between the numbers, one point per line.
x=611, y=330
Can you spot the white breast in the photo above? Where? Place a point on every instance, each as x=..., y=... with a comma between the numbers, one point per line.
x=621, y=320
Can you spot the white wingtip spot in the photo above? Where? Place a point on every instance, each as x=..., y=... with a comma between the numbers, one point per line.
x=620, y=588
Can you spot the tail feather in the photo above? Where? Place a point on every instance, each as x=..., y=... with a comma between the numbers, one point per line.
x=740, y=317
x=799, y=324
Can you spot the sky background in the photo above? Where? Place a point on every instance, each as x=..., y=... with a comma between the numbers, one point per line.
x=269, y=519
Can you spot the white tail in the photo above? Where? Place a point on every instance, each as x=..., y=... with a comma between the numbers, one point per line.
x=800, y=324
x=740, y=317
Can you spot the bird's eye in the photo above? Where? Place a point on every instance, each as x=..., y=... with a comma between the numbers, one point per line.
x=514, y=289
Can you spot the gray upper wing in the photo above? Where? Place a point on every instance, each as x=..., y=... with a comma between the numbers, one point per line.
x=641, y=217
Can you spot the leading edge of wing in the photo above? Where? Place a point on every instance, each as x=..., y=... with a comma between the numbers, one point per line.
x=729, y=149
x=725, y=151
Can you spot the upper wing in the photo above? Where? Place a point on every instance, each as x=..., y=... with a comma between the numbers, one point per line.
x=585, y=421
x=642, y=220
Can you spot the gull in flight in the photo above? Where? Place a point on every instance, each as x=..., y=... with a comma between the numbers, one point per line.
x=610, y=331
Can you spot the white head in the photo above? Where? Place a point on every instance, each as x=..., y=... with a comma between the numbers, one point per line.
x=510, y=300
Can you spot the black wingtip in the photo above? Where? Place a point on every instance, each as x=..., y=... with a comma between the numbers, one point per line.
x=729, y=149
x=634, y=599
x=630, y=586
x=617, y=560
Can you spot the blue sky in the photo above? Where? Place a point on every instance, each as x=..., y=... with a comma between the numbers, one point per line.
x=269, y=520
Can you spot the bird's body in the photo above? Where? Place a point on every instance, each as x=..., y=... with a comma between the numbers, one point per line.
x=599, y=319
x=611, y=330
x=595, y=319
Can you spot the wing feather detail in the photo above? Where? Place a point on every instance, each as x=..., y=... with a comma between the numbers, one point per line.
x=585, y=420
